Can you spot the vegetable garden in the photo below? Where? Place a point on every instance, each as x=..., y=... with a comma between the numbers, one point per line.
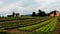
x=31, y=25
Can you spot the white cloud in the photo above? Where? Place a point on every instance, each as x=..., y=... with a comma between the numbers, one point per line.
x=28, y=6
x=1, y=2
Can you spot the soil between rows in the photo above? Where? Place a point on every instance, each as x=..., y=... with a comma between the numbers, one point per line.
x=57, y=30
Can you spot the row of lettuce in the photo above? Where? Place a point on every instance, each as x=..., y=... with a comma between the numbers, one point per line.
x=46, y=27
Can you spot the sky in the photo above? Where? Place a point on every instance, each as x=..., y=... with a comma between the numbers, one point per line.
x=27, y=6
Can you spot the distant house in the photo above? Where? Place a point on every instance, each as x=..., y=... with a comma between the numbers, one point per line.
x=55, y=13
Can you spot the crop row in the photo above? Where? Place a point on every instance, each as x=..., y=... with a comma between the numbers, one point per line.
x=27, y=28
x=18, y=23
x=34, y=21
x=3, y=19
x=48, y=29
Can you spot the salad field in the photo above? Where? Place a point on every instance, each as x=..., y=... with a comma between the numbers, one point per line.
x=29, y=25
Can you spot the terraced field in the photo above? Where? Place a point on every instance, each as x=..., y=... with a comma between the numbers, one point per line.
x=28, y=25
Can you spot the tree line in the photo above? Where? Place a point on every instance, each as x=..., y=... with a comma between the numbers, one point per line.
x=40, y=13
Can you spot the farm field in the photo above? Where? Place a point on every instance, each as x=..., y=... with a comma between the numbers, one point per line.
x=29, y=25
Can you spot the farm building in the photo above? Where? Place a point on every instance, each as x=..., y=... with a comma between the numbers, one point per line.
x=55, y=13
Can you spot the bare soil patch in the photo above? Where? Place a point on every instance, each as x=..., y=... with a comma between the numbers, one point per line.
x=57, y=30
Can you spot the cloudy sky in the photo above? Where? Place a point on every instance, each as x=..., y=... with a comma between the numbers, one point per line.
x=27, y=6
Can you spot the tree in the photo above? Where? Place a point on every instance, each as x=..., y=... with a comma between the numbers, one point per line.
x=33, y=14
x=13, y=14
x=39, y=12
x=17, y=14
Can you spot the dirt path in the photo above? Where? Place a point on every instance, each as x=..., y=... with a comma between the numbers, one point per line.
x=57, y=31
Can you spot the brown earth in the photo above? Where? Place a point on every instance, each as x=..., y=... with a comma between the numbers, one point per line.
x=13, y=31
x=57, y=31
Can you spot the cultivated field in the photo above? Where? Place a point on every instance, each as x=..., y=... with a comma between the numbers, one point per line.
x=30, y=25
